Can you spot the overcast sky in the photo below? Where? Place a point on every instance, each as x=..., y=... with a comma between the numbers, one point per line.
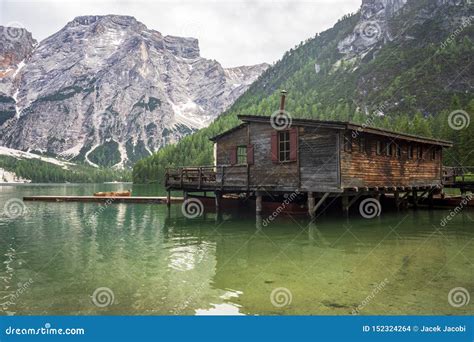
x=232, y=32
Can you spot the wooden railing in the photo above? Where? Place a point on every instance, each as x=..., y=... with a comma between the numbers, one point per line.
x=207, y=177
x=198, y=176
x=457, y=174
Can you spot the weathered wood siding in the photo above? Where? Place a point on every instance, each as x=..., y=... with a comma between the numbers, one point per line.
x=265, y=173
x=234, y=175
x=360, y=169
x=319, y=159
x=316, y=167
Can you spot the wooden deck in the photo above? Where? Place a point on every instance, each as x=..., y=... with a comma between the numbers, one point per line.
x=97, y=199
x=459, y=177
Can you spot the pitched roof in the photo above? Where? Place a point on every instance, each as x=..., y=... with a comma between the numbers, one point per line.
x=340, y=125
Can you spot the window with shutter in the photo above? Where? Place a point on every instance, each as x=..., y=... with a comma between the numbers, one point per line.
x=284, y=146
x=242, y=155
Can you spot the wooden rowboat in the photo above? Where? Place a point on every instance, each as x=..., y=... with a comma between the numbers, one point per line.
x=127, y=193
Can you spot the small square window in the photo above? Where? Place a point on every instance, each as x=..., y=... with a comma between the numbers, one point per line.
x=398, y=151
x=241, y=154
x=433, y=153
x=410, y=152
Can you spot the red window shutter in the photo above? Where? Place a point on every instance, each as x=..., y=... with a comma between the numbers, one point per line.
x=233, y=155
x=250, y=154
x=274, y=150
x=293, y=144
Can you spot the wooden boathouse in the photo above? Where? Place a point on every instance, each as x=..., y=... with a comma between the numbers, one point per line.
x=266, y=158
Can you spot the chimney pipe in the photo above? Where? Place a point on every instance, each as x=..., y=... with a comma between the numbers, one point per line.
x=282, y=100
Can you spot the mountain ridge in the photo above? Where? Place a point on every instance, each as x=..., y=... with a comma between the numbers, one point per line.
x=107, y=90
x=409, y=83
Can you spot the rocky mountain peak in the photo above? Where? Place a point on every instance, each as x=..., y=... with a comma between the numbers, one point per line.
x=374, y=24
x=183, y=47
x=15, y=45
x=372, y=27
x=107, y=90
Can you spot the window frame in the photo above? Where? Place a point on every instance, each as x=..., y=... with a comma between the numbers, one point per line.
x=378, y=148
x=388, y=149
x=240, y=155
x=434, y=153
x=287, y=146
x=410, y=151
x=363, y=145
x=419, y=152
x=398, y=151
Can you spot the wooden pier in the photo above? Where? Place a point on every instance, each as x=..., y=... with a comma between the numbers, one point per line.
x=104, y=199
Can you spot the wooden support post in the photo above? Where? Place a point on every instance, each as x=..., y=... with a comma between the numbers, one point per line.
x=168, y=198
x=345, y=205
x=200, y=178
x=313, y=206
x=218, y=200
x=415, y=199
x=430, y=200
x=397, y=199
x=354, y=199
x=311, y=202
x=258, y=203
x=185, y=195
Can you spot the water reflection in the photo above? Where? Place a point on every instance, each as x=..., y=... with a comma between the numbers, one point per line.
x=158, y=262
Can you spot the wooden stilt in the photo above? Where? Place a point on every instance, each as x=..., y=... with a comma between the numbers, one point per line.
x=319, y=204
x=185, y=195
x=430, y=200
x=415, y=199
x=218, y=200
x=258, y=203
x=345, y=205
x=168, y=198
x=311, y=202
x=397, y=200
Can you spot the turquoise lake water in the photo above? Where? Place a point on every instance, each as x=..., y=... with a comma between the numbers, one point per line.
x=140, y=259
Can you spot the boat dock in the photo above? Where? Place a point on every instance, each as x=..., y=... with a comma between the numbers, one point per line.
x=104, y=199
